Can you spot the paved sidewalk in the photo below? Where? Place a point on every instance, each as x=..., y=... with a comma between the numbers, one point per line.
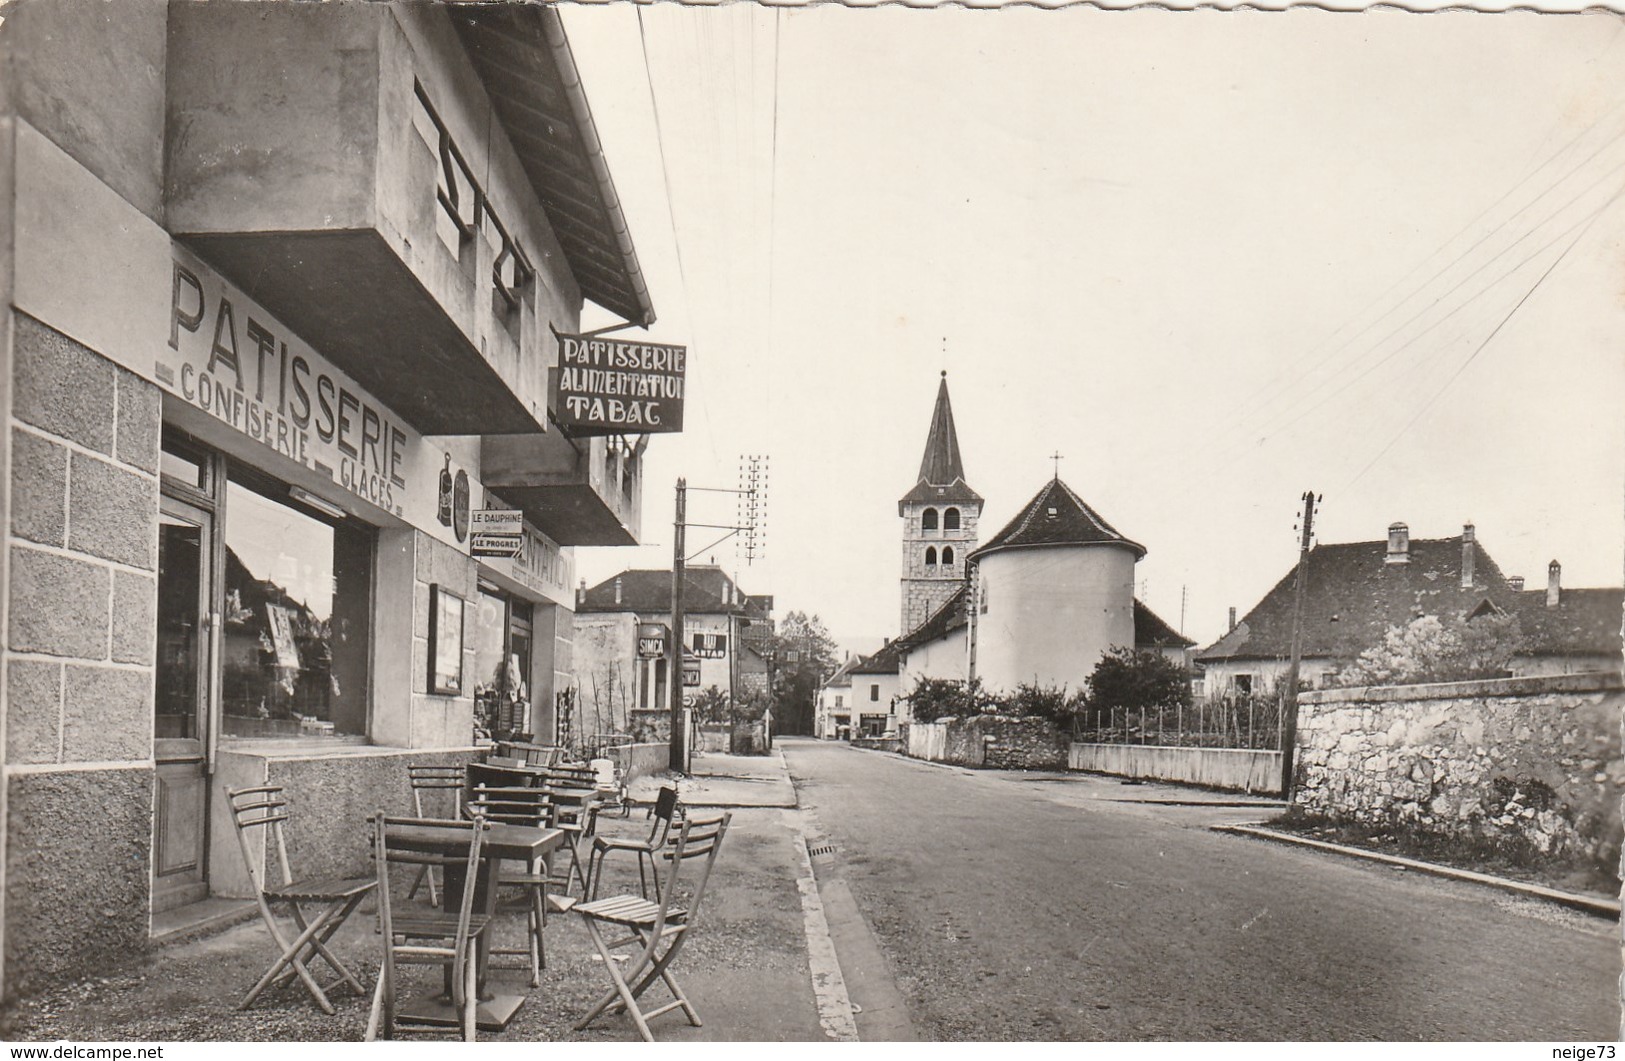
x=725, y=781
x=746, y=969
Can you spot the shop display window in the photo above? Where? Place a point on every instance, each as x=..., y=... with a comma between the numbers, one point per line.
x=297, y=596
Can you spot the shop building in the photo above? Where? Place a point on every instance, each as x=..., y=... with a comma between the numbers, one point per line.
x=622, y=627
x=281, y=285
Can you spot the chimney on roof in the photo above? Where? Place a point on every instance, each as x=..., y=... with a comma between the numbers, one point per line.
x=1468, y=551
x=617, y=589
x=1232, y=625
x=1516, y=582
x=581, y=592
x=1399, y=544
x=1554, y=584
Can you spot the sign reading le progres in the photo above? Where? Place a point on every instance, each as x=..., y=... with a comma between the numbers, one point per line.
x=616, y=387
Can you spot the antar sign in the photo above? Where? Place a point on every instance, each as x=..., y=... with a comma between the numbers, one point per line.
x=615, y=387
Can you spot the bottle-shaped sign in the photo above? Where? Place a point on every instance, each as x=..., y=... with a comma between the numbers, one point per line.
x=445, y=493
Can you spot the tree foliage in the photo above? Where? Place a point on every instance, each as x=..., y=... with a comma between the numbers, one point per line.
x=1431, y=649
x=804, y=655
x=1125, y=678
x=934, y=698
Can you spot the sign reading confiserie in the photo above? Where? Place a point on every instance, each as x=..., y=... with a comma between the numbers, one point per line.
x=617, y=387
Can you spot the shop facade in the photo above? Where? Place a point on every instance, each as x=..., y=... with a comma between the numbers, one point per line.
x=281, y=289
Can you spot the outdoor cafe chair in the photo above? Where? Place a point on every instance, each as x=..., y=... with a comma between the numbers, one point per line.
x=318, y=906
x=575, y=811
x=656, y=929
x=427, y=780
x=661, y=814
x=532, y=807
x=449, y=939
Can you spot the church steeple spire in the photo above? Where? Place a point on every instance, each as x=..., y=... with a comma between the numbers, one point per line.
x=941, y=465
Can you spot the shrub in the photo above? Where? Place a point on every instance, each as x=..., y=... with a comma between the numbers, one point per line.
x=1431, y=649
x=1128, y=679
x=934, y=698
x=1045, y=701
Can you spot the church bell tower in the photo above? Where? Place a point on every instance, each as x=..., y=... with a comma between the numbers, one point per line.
x=940, y=515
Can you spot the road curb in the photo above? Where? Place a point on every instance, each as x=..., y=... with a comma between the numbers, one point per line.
x=1586, y=903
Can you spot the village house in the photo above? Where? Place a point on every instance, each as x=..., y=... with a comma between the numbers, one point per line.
x=835, y=701
x=1357, y=591
x=281, y=286
x=616, y=675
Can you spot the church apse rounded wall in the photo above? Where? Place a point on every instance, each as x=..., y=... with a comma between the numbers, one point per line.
x=1052, y=613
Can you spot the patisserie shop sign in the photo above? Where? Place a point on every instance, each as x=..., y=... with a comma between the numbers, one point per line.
x=615, y=387
x=230, y=359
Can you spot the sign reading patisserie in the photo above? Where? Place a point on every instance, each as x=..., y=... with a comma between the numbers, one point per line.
x=616, y=387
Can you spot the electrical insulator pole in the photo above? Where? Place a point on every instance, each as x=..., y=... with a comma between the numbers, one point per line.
x=1289, y=696
x=674, y=651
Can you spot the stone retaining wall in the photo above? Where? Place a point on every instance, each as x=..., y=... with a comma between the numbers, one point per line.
x=1530, y=765
x=992, y=741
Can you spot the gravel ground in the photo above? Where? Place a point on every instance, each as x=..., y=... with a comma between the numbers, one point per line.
x=749, y=936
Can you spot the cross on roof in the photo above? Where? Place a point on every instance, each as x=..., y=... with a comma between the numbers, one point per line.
x=1057, y=458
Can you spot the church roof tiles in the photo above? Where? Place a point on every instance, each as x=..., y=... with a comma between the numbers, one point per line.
x=1056, y=516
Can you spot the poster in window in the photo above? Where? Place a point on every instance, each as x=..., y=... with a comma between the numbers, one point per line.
x=280, y=621
x=445, y=642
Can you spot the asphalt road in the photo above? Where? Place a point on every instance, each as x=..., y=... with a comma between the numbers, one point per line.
x=1023, y=909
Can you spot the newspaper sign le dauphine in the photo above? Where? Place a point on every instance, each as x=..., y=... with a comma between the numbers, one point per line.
x=617, y=387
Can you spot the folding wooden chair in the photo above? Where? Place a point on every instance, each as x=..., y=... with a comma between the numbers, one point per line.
x=664, y=810
x=657, y=928
x=533, y=807
x=575, y=811
x=333, y=898
x=449, y=940
x=427, y=780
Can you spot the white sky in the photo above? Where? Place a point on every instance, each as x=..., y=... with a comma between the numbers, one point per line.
x=1198, y=253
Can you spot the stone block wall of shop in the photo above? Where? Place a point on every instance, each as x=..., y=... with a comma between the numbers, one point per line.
x=81, y=607
x=320, y=842
x=404, y=713
x=1531, y=765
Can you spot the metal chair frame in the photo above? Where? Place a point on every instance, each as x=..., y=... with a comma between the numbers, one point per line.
x=666, y=808
x=266, y=807
x=433, y=779
x=444, y=939
x=533, y=807
x=658, y=929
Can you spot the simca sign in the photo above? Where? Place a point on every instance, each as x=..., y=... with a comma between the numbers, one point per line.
x=616, y=387
x=651, y=640
x=691, y=673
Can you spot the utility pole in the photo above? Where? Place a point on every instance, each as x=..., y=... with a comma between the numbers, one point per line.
x=1289, y=697
x=674, y=651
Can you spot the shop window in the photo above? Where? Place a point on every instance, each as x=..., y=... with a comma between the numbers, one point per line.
x=501, y=639
x=928, y=519
x=297, y=592
x=950, y=519
x=930, y=556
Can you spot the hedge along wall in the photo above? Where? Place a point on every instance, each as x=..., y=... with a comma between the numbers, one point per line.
x=990, y=740
x=1529, y=764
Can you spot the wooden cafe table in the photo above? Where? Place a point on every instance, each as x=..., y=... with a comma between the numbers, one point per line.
x=521, y=843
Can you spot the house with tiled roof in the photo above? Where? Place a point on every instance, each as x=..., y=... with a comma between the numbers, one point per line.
x=834, y=712
x=721, y=622
x=1356, y=591
x=1569, y=631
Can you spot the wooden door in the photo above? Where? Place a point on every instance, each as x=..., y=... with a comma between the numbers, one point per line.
x=183, y=704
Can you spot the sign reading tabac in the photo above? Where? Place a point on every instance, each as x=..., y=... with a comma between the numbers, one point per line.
x=618, y=387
